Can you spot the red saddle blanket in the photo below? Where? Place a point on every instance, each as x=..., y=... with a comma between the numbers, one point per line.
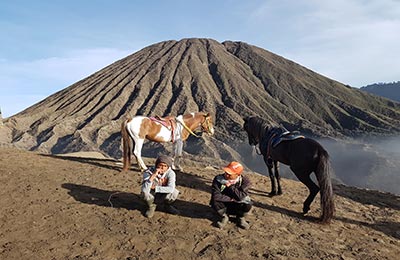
x=169, y=122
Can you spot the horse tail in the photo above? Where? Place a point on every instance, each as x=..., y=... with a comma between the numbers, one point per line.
x=323, y=174
x=126, y=146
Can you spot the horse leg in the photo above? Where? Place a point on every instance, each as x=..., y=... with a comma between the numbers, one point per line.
x=304, y=177
x=271, y=176
x=138, y=153
x=126, y=141
x=278, y=177
x=177, y=155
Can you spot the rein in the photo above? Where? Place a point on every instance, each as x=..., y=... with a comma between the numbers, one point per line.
x=187, y=128
x=190, y=131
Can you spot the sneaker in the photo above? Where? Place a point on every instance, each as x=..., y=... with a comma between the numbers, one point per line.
x=171, y=209
x=150, y=212
x=243, y=223
x=223, y=221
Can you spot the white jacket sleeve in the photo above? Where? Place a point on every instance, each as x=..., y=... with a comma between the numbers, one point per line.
x=171, y=183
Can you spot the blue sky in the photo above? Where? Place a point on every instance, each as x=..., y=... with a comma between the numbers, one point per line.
x=48, y=45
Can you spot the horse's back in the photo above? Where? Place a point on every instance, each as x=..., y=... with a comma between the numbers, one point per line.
x=299, y=153
x=308, y=147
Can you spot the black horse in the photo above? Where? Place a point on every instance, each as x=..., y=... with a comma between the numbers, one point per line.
x=303, y=155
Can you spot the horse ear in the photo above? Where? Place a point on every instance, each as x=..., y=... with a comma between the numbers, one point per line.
x=206, y=114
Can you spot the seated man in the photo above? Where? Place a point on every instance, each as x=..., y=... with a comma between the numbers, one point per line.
x=158, y=186
x=229, y=195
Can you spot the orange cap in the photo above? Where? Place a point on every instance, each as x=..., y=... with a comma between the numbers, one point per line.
x=233, y=168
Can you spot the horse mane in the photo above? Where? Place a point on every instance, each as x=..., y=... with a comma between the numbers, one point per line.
x=260, y=125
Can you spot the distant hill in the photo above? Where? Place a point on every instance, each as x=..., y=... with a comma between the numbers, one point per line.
x=387, y=90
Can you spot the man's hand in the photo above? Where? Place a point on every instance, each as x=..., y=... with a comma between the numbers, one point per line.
x=229, y=183
x=154, y=174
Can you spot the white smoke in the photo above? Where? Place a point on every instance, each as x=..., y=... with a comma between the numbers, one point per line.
x=364, y=163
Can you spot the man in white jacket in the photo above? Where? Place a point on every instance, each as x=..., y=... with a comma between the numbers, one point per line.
x=158, y=186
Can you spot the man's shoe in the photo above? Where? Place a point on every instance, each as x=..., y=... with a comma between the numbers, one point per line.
x=150, y=211
x=224, y=220
x=242, y=223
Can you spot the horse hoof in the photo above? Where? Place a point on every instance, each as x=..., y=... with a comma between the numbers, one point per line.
x=272, y=193
x=305, y=210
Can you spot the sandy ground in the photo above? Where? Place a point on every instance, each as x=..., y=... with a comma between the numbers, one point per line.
x=75, y=207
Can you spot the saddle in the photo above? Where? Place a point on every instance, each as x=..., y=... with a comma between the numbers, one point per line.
x=286, y=136
x=168, y=121
x=274, y=137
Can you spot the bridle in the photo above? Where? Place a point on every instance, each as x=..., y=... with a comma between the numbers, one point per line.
x=208, y=127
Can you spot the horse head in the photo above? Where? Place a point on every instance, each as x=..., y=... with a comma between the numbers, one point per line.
x=248, y=126
x=207, y=125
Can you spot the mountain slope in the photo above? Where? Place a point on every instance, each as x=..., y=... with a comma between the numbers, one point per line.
x=231, y=80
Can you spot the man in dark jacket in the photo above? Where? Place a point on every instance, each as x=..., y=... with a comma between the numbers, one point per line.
x=230, y=195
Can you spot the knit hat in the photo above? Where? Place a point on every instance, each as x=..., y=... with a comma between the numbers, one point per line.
x=164, y=159
x=233, y=168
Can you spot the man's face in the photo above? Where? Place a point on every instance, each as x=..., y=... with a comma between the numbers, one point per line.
x=230, y=176
x=162, y=167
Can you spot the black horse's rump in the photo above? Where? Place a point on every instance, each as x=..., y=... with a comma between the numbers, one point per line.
x=303, y=155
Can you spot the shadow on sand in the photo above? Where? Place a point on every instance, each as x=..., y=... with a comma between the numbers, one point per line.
x=130, y=201
x=286, y=212
x=189, y=180
x=386, y=227
x=109, y=164
x=368, y=197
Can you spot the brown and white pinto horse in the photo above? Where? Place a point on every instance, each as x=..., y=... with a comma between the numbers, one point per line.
x=135, y=130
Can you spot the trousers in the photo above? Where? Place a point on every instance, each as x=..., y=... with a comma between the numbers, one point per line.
x=231, y=208
x=150, y=195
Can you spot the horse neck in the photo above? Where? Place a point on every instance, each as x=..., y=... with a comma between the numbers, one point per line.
x=265, y=130
x=260, y=130
x=192, y=122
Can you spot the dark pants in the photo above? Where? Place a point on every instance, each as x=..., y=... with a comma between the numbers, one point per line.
x=161, y=198
x=230, y=208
